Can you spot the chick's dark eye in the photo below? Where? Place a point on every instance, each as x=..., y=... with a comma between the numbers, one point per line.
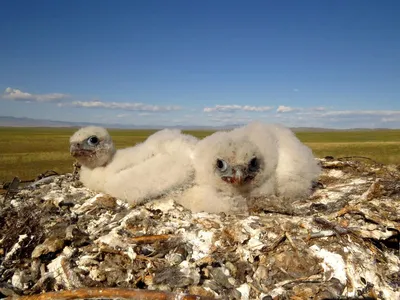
x=253, y=164
x=221, y=165
x=93, y=140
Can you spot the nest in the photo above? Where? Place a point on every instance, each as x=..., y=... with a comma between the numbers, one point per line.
x=59, y=240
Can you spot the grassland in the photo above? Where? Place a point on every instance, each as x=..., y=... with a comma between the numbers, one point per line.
x=27, y=152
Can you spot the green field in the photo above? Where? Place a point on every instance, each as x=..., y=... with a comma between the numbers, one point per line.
x=27, y=152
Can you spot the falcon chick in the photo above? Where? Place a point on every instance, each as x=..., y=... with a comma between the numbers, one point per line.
x=147, y=170
x=92, y=147
x=254, y=160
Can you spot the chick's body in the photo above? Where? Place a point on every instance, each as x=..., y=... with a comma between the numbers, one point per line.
x=254, y=160
x=162, y=164
x=147, y=170
x=296, y=166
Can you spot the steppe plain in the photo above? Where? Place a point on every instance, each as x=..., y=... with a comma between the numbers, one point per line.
x=28, y=151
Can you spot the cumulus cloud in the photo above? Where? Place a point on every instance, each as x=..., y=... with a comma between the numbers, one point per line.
x=284, y=109
x=121, y=105
x=235, y=107
x=18, y=95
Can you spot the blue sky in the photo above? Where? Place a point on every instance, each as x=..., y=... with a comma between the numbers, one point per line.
x=300, y=63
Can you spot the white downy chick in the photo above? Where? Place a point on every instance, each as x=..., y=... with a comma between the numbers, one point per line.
x=296, y=167
x=150, y=169
x=94, y=149
x=228, y=167
x=254, y=160
x=166, y=167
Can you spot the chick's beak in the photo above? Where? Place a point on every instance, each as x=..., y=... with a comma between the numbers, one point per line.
x=74, y=149
x=238, y=176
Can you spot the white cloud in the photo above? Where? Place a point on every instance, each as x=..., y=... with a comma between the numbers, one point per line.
x=344, y=118
x=319, y=117
x=121, y=105
x=123, y=115
x=319, y=108
x=235, y=107
x=362, y=113
x=18, y=95
x=391, y=119
x=284, y=109
x=218, y=115
x=340, y=115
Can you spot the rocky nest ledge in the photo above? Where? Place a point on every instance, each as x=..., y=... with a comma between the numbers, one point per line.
x=59, y=240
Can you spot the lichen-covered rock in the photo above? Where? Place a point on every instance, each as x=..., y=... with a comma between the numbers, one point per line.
x=342, y=242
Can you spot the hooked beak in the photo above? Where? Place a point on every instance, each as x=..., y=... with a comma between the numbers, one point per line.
x=237, y=177
x=76, y=150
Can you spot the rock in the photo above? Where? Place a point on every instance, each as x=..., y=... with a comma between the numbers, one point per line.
x=52, y=244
